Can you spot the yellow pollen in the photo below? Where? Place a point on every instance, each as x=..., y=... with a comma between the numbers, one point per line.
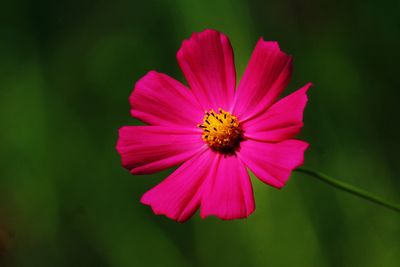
x=221, y=131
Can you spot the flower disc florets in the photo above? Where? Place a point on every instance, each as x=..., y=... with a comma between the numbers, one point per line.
x=221, y=131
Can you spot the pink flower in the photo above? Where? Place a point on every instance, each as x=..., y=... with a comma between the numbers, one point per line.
x=215, y=130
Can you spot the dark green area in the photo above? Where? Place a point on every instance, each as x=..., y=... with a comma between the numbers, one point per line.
x=66, y=71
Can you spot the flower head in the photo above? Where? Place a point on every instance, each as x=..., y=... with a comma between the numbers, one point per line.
x=213, y=130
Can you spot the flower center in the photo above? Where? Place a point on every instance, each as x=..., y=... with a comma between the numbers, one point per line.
x=221, y=131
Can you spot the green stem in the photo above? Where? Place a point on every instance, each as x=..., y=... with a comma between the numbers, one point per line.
x=350, y=189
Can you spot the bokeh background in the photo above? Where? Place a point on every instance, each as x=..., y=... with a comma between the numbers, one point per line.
x=66, y=71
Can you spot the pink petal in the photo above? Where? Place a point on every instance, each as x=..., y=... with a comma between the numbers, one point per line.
x=228, y=193
x=206, y=60
x=148, y=149
x=283, y=120
x=266, y=76
x=178, y=196
x=272, y=163
x=160, y=100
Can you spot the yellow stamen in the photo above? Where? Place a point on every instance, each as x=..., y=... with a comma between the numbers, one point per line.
x=221, y=131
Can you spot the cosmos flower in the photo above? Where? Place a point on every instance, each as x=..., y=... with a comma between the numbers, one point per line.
x=214, y=130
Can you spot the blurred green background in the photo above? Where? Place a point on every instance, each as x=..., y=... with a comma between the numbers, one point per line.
x=67, y=69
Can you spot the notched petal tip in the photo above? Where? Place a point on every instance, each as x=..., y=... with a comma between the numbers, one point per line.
x=121, y=137
x=274, y=47
x=304, y=90
x=205, y=32
x=269, y=44
x=174, y=217
x=227, y=217
x=302, y=147
x=197, y=36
